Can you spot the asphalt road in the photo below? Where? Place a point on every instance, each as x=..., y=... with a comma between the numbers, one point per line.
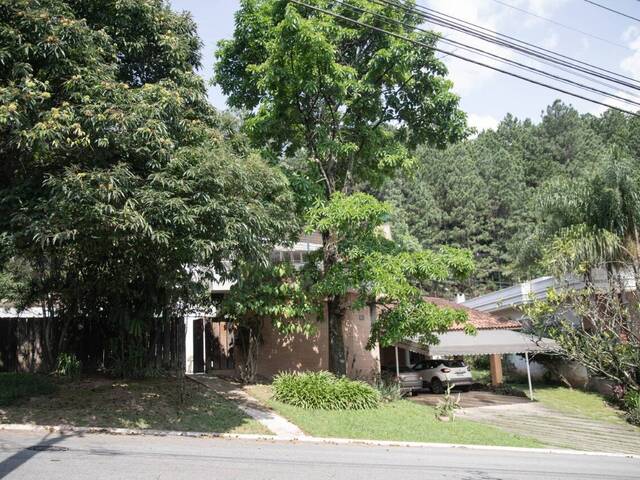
x=127, y=457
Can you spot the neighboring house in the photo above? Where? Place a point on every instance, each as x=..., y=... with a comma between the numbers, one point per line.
x=509, y=303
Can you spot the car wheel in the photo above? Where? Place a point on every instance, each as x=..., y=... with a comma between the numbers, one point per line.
x=436, y=386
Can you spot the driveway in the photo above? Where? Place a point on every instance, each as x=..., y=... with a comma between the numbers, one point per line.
x=105, y=457
x=472, y=399
x=559, y=429
x=532, y=419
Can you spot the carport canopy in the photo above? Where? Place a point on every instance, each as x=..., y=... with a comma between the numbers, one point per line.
x=484, y=342
x=493, y=342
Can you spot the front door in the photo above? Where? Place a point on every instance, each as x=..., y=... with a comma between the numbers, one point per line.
x=220, y=341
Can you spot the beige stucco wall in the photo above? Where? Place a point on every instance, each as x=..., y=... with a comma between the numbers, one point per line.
x=298, y=353
x=293, y=352
x=361, y=363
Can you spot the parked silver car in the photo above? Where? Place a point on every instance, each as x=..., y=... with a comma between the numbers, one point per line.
x=410, y=382
x=437, y=374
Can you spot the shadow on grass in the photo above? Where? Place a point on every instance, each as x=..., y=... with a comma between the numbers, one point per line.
x=144, y=404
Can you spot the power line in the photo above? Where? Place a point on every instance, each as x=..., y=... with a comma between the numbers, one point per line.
x=502, y=59
x=612, y=10
x=550, y=20
x=521, y=46
x=431, y=47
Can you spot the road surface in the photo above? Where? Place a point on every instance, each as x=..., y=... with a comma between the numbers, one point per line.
x=29, y=455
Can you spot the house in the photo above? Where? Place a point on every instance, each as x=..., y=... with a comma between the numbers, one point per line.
x=509, y=303
x=211, y=346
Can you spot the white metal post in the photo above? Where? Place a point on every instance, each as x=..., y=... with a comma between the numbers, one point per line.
x=526, y=356
x=397, y=363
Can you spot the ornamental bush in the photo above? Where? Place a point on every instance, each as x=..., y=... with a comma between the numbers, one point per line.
x=325, y=391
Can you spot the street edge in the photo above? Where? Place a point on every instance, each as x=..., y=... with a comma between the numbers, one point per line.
x=298, y=439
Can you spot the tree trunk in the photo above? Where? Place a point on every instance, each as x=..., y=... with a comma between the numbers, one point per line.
x=335, y=312
x=249, y=371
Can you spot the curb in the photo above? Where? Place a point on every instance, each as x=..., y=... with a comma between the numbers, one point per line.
x=301, y=439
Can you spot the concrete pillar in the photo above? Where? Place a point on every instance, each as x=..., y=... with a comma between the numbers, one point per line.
x=188, y=345
x=495, y=365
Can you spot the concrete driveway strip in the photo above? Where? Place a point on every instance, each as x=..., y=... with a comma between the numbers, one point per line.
x=31, y=455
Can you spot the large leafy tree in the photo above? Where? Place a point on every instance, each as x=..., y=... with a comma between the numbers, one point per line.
x=120, y=184
x=482, y=194
x=348, y=100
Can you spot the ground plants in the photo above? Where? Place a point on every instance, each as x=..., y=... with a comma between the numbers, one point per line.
x=68, y=366
x=14, y=386
x=324, y=391
x=446, y=408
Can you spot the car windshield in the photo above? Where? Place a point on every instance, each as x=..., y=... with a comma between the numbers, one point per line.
x=453, y=363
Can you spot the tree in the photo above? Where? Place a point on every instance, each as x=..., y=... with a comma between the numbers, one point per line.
x=593, y=221
x=121, y=186
x=384, y=275
x=603, y=335
x=350, y=100
x=482, y=193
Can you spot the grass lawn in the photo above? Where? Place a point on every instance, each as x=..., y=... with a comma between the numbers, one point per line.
x=402, y=420
x=16, y=386
x=146, y=404
x=576, y=402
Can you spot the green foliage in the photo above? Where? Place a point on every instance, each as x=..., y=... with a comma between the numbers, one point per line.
x=592, y=220
x=276, y=294
x=388, y=388
x=14, y=386
x=332, y=88
x=339, y=105
x=447, y=406
x=68, y=366
x=596, y=328
x=118, y=177
x=384, y=274
x=632, y=406
x=324, y=391
x=482, y=194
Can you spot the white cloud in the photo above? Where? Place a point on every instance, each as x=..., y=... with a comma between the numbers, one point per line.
x=468, y=77
x=585, y=43
x=550, y=42
x=482, y=122
x=631, y=63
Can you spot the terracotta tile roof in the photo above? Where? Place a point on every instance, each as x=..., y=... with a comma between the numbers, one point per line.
x=480, y=320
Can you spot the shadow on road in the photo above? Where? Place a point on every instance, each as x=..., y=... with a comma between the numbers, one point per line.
x=22, y=456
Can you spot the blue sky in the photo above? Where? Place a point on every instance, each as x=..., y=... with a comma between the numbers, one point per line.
x=485, y=95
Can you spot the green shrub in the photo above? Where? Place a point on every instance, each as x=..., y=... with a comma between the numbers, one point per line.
x=68, y=366
x=322, y=390
x=14, y=386
x=388, y=388
x=632, y=406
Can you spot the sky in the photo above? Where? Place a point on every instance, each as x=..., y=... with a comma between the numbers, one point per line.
x=570, y=27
